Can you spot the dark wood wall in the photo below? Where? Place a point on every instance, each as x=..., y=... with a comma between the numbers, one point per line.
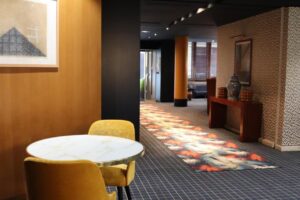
x=120, y=63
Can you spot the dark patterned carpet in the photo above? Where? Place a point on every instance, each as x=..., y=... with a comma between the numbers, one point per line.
x=161, y=175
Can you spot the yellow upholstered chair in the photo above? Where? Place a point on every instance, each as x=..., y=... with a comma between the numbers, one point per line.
x=117, y=175
x=65, y=180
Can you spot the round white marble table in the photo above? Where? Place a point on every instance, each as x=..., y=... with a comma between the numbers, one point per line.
x=102, y=150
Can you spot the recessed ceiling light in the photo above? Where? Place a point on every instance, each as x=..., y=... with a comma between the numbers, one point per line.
x=175, y=22
x=199, y=10
x=145, y=31
x=190, y=14
x=167, y=28
x=155, y=34
x=182, y=18
x=210, y=5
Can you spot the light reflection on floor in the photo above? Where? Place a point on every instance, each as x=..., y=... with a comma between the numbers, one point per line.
x=202, y=150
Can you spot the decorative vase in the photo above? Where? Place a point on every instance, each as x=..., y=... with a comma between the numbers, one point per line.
x=233, y=88
x=222, y=92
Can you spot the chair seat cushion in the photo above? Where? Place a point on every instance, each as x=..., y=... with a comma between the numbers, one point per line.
x=117, y=175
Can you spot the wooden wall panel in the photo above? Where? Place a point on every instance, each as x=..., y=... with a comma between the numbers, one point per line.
x=40, y=103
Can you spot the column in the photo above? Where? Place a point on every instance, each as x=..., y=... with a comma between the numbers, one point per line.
x=120, y=76
x=180, y=82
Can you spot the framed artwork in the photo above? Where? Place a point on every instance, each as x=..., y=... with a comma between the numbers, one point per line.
x=29, y=33
x=243, y=61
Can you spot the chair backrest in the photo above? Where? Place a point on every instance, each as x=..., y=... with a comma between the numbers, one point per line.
x=119, y=128
x=64, y=180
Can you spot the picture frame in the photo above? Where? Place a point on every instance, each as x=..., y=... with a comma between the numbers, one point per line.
x=29, y=33
x=243, y=61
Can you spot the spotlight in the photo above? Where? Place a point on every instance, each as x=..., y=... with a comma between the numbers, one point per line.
x=167, y=28
x=182, y=19
x=175, y=22
x=155, y=34
x=190, y=15
x=210, y=5
x=199, y=10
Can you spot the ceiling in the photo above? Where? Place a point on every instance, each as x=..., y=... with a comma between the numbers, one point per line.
x=156, y=15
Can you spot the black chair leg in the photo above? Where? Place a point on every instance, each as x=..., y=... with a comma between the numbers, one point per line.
x=120, y=193
x=128, y=192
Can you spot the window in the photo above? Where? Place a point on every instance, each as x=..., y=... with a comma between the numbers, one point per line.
x=213, y=61
x=189, y=61
x=198, y=60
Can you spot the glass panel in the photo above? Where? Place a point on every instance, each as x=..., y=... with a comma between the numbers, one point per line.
x=213, y=62
x=189, y=61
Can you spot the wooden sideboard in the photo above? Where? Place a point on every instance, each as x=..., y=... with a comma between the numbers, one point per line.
x=250, y=117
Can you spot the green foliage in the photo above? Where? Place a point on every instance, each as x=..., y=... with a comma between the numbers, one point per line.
x=142, y=87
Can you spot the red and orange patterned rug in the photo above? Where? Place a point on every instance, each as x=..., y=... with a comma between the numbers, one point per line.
x=201, y=150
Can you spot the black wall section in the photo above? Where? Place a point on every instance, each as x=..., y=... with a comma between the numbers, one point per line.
x=167, y=66
x=120, y=60
x=167, y=70
x=151, y=44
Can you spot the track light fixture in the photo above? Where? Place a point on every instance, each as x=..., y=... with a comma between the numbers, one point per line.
x=200, y=10
x=189, y=15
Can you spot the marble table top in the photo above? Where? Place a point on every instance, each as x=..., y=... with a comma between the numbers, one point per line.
x=102, y=150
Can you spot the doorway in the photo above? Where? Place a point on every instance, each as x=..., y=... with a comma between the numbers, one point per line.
x=150, y=67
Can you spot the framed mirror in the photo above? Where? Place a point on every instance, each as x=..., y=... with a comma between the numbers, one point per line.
x=243, y=61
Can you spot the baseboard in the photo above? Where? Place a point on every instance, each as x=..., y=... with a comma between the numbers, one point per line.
x=271, y=144
x=287, y=148
x=267, y=142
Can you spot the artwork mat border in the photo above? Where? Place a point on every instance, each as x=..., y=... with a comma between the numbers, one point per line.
x=56, y=65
